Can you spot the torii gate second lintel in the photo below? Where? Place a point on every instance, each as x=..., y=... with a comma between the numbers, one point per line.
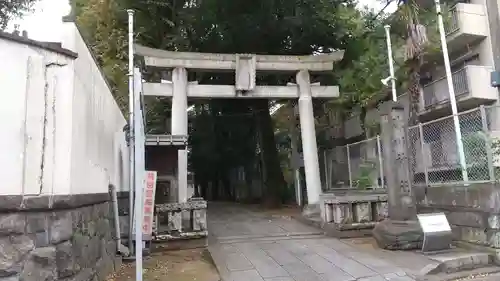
x=245, y=67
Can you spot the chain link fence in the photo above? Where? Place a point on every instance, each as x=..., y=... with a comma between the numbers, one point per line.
x=433, y=152
x=357, y=165
x=435, y=155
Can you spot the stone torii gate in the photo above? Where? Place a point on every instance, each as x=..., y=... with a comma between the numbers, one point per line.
x=245, y=67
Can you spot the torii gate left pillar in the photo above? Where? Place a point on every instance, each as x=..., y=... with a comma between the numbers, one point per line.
x=245, y=67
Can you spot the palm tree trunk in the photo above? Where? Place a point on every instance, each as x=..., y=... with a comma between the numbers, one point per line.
x=413, y=91
x=414, y=104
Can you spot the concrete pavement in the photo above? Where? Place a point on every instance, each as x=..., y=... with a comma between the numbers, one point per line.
x=248, y=245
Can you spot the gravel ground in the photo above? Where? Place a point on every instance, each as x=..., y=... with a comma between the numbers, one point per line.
x=183, y=265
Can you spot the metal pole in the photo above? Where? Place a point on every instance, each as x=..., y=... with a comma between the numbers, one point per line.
x=131, y=126
x=391, y=62
x=325, y=167
x=380, y=162
x=451, y=92
x=349, y=167
x=139, y=174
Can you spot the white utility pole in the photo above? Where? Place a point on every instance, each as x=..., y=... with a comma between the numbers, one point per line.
x=391, y=62
x=139, y=173
x=131, y=100
x=451, y=91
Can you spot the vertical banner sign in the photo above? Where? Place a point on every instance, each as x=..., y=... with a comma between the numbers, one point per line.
x=148, y=205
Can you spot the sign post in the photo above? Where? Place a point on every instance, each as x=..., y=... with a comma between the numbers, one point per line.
x=148, y=204
x=437, y=232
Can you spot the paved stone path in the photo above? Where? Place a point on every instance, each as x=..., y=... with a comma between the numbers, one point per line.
x=248, y=245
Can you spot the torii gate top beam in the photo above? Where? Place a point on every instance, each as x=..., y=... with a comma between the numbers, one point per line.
x=216, y=62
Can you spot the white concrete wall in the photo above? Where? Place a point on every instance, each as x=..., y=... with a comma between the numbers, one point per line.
x=97, y=124
x=61, y=128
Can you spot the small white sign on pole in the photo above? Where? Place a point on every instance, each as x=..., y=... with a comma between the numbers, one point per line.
x=437, y=232
x=148, y=204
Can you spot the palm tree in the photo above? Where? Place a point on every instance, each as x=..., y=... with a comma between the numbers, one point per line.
x=416, y=41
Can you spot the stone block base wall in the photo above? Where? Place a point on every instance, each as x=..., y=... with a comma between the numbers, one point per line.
x=58, y=238
x=473, y=211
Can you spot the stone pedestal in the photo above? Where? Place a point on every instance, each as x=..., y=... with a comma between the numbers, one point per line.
x=401, y=231
x=352, y=213
x=181, y=225
x=398, y=235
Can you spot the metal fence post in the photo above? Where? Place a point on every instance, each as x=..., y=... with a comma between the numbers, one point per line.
x=380, y=162
x=488, y=144
x=349, y=166
x=325, y=164
x=424, y=159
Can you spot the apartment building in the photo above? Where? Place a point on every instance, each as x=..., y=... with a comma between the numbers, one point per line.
x=471, y=51
x=472, y=28
x=471, y=56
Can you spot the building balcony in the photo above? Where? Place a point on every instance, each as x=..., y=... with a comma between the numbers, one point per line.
x=472, y=88
x=467, y=24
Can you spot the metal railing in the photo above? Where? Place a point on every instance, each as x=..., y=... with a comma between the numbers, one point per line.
x=452, y=24
x=357, y=165
x=437, y=91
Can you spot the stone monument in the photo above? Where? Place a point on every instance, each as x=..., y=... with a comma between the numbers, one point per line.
x=401, y=231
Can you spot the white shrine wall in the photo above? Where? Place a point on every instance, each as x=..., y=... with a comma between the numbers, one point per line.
x=61, y=127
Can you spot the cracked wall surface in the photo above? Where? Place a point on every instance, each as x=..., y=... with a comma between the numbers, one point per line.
x=61, y=123
x=62, y=146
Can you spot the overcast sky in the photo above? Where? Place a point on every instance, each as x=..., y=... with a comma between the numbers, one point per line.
x=44, y=23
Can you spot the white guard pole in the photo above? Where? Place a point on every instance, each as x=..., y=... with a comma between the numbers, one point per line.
x=391, y=62
x=131, y=126
x=451, y=91
x=139, y=173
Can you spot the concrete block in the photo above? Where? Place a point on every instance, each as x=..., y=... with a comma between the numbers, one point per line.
x=363, y=212
x=175, y=221
x=342, y=214
x=470, y=219
x=381, y=211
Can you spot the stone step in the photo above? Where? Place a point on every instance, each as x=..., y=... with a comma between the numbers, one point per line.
x=489, y=273
x=457, y=261
x=254, y=238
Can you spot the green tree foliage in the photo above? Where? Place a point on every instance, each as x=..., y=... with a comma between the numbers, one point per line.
x=102, y=26
x=10, y=9
x=226, y=134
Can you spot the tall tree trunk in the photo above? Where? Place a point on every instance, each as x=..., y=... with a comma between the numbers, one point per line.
x=413, y=91
x=414, y=102
x=274, y=182
x=248, y=182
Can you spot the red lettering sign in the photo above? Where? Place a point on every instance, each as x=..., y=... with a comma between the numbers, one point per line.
x=148, y=203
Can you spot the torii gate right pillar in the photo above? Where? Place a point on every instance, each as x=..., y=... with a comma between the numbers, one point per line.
x=308, y=134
